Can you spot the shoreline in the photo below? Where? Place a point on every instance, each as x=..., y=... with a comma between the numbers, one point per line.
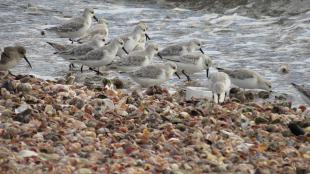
x=51, y=127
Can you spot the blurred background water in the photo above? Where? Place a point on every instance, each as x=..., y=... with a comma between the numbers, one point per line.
x=233, y=39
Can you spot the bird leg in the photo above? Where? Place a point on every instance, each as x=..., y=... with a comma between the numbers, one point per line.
x=82, y=69
x=71, y=40
x=218, y=98
x=188, y=78
x=177, y=75
x=97, y=71
x=11, y=74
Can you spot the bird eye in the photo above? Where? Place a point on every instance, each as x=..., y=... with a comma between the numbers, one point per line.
x=103, y=39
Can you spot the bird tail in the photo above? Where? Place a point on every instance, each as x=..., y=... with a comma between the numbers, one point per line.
x=57, y=46
x=220, y=69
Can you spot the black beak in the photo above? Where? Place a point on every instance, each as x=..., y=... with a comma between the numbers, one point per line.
x=201, y=51
x=177, y=75
x=96, y=18
x=207, y=70
x=27, y=61
x=158, y=54
x=125, y=50
x=147, y=37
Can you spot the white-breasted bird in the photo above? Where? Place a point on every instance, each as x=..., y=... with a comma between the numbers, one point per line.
x=220, y=85
x=75, y=27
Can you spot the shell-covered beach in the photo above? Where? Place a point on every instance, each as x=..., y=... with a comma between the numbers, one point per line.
x=64, y=127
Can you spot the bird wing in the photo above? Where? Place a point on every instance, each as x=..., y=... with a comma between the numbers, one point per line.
x=94, y=55
x=134, y=60
x=151, y=72
x=4, y=58
x=78, y=51
x=189, y=59
x=59, y=47
x=172, y=50
x=238, y=74
x=71, y=26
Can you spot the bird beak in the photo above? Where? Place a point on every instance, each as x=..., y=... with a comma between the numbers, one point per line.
x=201, y=51
x=207, y=70
x=125, y=50
x=147, y=37
x=96, y=18
x=177, y=75
x=158, y=54
x=27, y=61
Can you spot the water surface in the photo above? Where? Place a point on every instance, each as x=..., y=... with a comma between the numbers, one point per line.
x=233, y=41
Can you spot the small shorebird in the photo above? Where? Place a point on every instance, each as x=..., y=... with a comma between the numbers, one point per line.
x=304, y=92
x=136, y=59
x=191, y=63
x=132, y=39
x=11, y=56
x=99, y=29
x=101, y=56
x=75, y=27
x=247, y=79
x=154, y=74
x=70, y=51
x=220, y=84
x=182, y=48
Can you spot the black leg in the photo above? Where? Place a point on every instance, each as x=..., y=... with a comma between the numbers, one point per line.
x=70, y=66
x=71, y=40
x=218, y=98
x=177, y=75
x=97, y=71
x=11, y=74
x=225, y=96
x=82, y=69
x=212, y=96
x=183, y=72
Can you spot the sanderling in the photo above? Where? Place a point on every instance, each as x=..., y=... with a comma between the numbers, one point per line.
x=136, y=59
x=247, y=79
x=191, y=63
x=220, y=84
x=79, y=50
x=99, y=29
x=96, y=42
x=182, y=48
x=154, y=74
x=133, y=38
x=101, y=56
x=76, y=27
x=11, y=56
x=304, y=92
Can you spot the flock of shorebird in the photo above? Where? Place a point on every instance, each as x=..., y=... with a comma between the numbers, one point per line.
x=130, y=53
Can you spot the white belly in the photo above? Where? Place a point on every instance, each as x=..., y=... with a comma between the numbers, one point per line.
x=245, y=83
x=189, y=68
x=146, y=82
